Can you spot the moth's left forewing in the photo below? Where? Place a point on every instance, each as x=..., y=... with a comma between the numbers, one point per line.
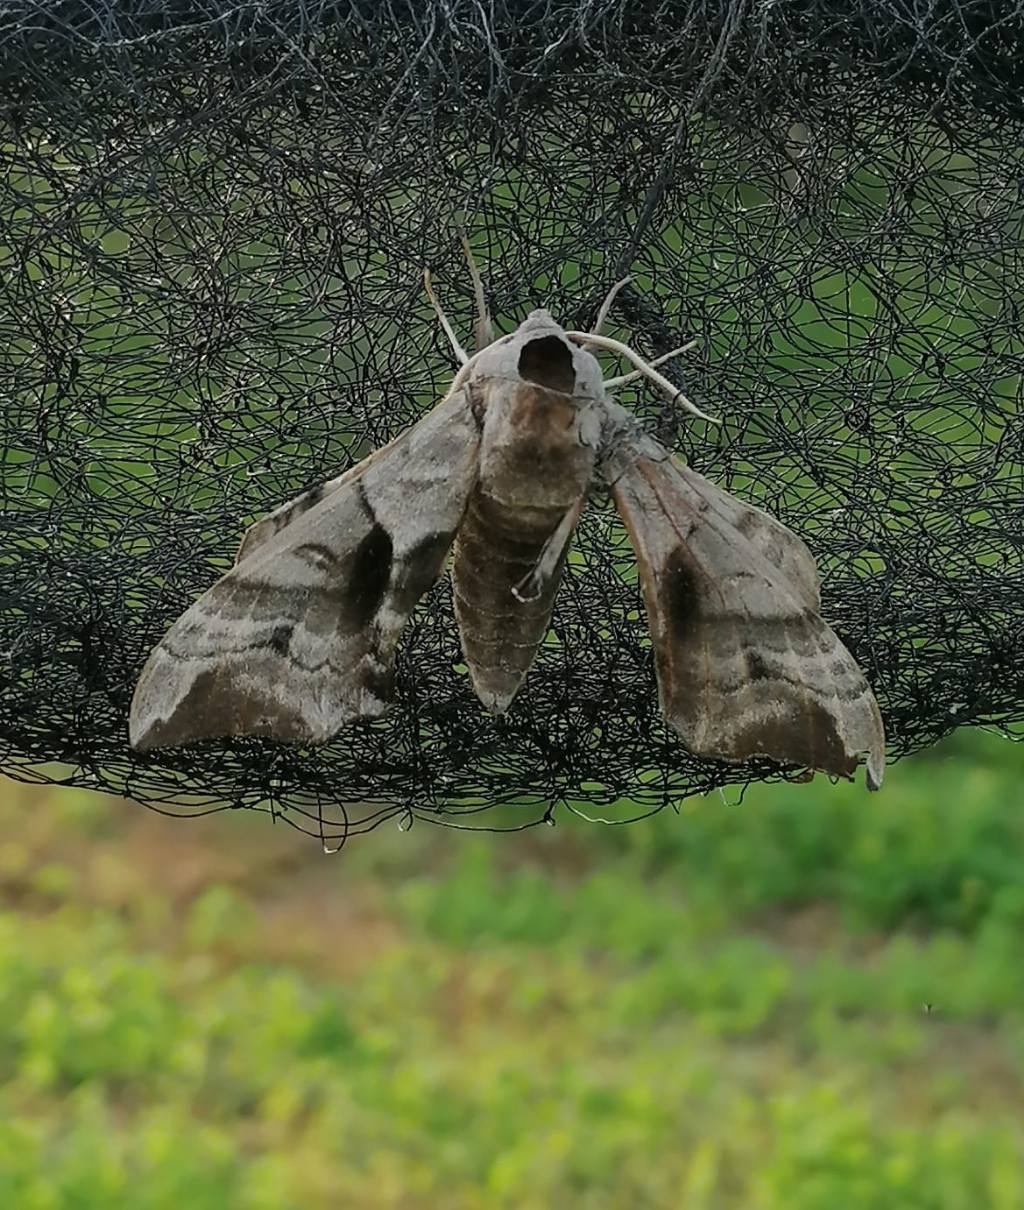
x=746, y=666
x=299, y=637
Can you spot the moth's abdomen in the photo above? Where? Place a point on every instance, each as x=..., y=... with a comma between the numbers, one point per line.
x=497, y=547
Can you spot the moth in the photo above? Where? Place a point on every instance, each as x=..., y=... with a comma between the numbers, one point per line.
x=299, y=638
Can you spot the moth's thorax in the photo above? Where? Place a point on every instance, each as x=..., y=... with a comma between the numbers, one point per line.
x=536, y=447
x=538, y=397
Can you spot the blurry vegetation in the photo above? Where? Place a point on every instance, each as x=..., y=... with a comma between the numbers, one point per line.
x=812, y=999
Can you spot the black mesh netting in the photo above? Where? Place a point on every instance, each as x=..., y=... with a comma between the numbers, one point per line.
x=214, y=218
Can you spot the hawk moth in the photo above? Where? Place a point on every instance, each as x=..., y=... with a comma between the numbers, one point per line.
x=299, y=637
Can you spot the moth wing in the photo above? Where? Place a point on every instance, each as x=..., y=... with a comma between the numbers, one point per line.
x=299, y=637
x=746, y=666
x=265, y=528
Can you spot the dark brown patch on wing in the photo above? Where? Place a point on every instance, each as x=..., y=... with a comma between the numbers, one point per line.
x=758, y=668
x=379, y=679
x=547, y=361
x=680, y=595
x=368, y=578
x=281, y=638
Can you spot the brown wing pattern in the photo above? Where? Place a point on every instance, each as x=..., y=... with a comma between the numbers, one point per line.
x=746, y=666
x=299, y=637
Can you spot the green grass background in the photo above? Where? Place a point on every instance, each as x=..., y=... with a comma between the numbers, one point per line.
x=810, y=999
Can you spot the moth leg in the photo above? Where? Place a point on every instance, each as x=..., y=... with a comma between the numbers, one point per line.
x=613, y=383
x=483, y=328
x=606, y=306
x=531, y=586
x=645, y=368
x=449, y=331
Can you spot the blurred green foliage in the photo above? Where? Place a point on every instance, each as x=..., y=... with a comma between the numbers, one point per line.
x=810, y=999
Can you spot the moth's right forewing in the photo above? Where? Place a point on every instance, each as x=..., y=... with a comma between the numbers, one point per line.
x=299, y=637
x=746, y=666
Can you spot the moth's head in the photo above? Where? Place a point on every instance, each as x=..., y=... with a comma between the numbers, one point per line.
x=539, y=351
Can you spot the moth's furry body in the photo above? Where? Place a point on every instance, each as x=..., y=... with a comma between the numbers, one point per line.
x=299, y=638
x=537, y=449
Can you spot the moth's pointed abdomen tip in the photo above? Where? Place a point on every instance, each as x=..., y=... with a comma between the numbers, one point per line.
x=495, y=702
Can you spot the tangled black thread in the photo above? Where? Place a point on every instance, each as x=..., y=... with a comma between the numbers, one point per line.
x=214, y=222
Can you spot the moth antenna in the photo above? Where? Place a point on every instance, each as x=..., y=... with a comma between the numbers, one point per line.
x=449, y=331
x=483, y=328
x=606, y=306
x=622, y=379
x=645, y=368
x=462, y=374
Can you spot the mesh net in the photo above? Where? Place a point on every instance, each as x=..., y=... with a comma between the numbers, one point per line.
x=214, y=222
